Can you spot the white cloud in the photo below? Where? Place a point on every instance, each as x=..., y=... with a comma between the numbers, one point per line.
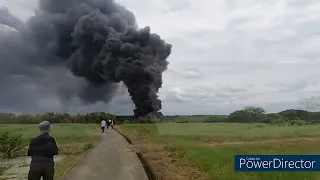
x=21, y=8
x=230, y=53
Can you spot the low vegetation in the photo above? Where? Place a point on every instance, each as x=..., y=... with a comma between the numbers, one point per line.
x=10, y=118
x=247, y=115
x=210, y=148
x=10, y=144
x=181, y=147
x=73, y=141
x=64, y=133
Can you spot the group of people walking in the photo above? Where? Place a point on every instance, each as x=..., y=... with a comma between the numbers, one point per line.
x=105, y=123
x=43, y=148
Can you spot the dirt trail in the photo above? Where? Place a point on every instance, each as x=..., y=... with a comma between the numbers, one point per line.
x=19, y=167
x=261, y=141
x=111, y=159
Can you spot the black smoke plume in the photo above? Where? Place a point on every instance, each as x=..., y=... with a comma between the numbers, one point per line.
x=98, y=40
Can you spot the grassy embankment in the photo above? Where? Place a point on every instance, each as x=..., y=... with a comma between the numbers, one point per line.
x=209, y=149
x=73, y=141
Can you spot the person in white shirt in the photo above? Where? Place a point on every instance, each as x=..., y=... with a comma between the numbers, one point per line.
x=103, y=125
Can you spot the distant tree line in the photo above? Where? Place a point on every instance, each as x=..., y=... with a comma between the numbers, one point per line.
x=246, y=115
x=96, y=117
x=253, y=115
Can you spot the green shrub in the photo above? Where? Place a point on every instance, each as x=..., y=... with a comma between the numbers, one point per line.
x=274, y=119
x=87, y=146
x=156, y=120
x=298, y=122
x=10, y=144
x=183, y=121
x=215, y=118
x=144, y=120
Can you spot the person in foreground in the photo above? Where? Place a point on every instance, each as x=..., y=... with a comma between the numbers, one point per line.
x=42, y=149
x=103, y=125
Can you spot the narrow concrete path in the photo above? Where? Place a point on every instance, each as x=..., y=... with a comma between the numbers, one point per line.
x=110, y=160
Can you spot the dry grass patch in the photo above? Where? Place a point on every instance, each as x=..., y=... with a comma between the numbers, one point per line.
x=166, y=163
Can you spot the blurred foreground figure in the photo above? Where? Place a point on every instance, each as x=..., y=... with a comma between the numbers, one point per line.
x=110, y=123
x=42, y=149
x=103, y=125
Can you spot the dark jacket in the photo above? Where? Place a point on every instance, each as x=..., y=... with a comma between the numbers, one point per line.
x=42, y=149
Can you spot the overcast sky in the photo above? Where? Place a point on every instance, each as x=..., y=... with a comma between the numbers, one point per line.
x=226, y=54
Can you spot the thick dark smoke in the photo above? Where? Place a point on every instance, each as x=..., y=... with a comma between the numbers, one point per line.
x=98, y=40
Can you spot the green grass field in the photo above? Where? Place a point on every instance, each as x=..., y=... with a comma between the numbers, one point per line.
x=63, y=133
x=190, y=141
x=72, y=139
